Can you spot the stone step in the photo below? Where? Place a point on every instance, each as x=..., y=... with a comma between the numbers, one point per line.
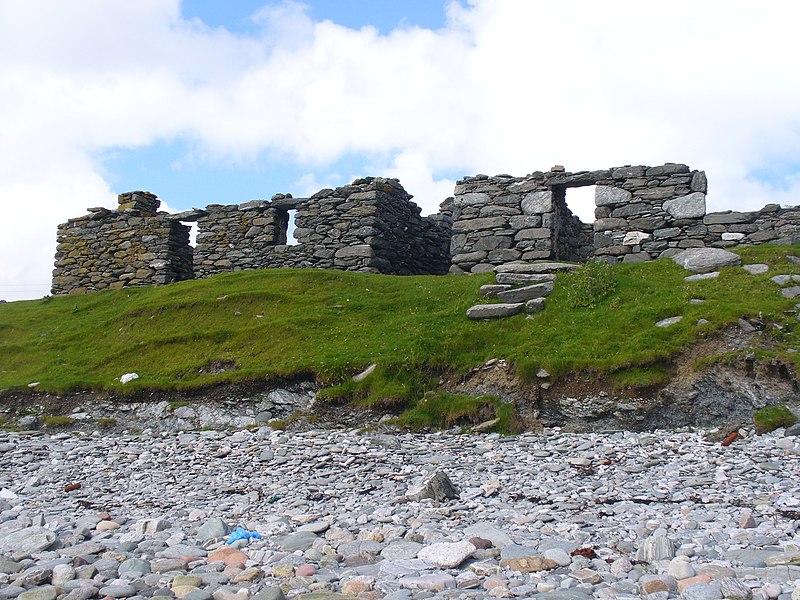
x=535, y=268
x=534, y=306
x=523, y=278
x=491, y=290
x=493, y=311
x=529, y=292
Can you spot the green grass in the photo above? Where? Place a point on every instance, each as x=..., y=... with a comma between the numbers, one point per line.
x=330, y=325
x=439, y=409
x=770, y=418
x=640, y=377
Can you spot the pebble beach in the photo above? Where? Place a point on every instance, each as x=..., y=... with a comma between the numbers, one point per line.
x=332, y=513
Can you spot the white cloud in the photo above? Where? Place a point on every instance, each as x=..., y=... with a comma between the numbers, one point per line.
x=507, y=86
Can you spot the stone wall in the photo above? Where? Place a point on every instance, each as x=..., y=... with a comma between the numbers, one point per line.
x=370, y=226
x=133, y=245
x=642, y=213
x=770, y=224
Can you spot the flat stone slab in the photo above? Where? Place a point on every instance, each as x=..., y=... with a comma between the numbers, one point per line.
x=756, y=269
x=791, y=292
x=702, y=276
x=535, y=268
x=487, y=531
x=523, y=278
x=491, y=290
x=705, y=260
x=494, y=311
x=299, y=540
x=529, y=292
x=447, y=555
x=534, y=306
x=30, y=540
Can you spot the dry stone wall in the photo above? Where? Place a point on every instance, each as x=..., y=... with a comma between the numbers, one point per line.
x=641, y=211
x=770, y=224
x=371, y=225
x=134, y=245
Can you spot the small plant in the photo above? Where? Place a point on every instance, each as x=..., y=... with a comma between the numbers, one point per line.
x=590, y=283
x=106, y=422
x=177, y=404
x=56, y=421
x=770, y=418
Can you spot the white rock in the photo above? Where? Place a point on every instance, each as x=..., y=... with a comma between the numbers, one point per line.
x=681, y=568
x=634, y=238
x=668, y=322
x=447, y=555
x=656, y=547
x=128, y=377
x=558, y=556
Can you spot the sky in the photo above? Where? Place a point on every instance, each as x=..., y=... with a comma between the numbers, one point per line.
x=211, y=101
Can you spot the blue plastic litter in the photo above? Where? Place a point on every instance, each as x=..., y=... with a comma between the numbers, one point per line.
x=240, y=533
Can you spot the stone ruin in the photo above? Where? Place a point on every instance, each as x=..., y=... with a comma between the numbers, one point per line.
x=642, y=213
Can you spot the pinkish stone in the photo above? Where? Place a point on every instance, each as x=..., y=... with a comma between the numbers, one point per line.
x=230, y=556
x=690, y=581
x=305, y=570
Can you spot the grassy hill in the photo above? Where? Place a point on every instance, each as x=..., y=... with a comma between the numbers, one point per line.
x=278, y=324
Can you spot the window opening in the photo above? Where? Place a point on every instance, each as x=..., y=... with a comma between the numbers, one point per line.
x=192, y=232
x=290, y=239
x=580, y=200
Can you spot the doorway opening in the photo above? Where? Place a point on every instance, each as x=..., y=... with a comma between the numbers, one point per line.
x=580, y=201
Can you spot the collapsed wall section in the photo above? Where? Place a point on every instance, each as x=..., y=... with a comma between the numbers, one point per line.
x=134, y=245
x=770, y=224
x=236, y=237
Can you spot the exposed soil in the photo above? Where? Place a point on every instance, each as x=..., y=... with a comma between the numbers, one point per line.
x=700, y=391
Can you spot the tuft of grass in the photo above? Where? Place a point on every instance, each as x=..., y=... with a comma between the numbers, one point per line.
x=590, y=283
x=444, y=410
x=771, y=418
x=56, y=421
x=640, y=377
x=385, y=388
x=177, y=404
x=106, y=422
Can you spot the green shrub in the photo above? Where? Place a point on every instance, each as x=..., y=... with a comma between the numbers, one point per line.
x=771, y=417
x=590, y=283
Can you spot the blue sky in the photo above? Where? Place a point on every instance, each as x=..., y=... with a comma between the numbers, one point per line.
x=204, y=101
x=384, y=15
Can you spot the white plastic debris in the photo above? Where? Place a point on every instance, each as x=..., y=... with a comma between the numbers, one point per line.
x=128, y=377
